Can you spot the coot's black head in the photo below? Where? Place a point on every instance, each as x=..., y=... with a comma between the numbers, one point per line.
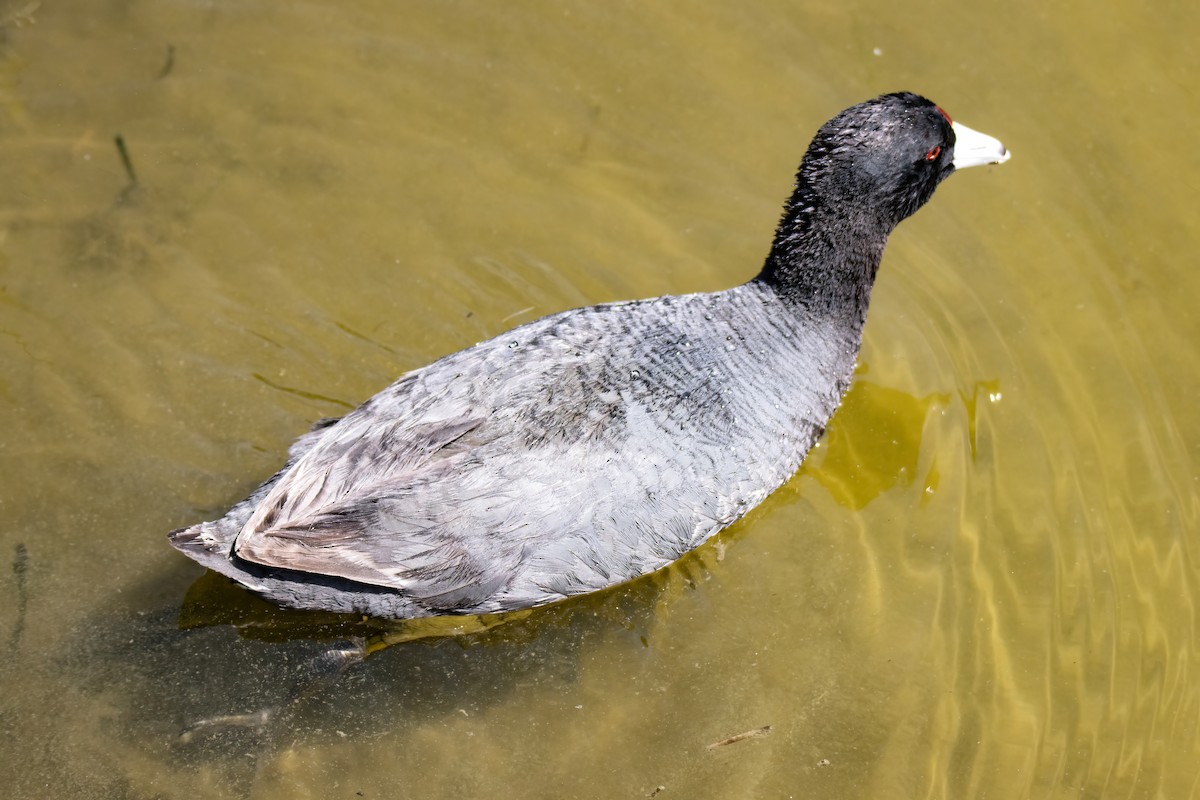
x=866, y=170
x=882, y=158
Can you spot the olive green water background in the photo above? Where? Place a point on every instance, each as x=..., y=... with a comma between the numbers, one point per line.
x=983, y=583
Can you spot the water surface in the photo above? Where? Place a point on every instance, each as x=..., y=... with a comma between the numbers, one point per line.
x=982, y=584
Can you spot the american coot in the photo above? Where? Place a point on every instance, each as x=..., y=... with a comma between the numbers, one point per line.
x=599, y=444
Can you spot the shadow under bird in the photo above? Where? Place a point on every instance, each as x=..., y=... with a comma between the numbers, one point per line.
x=599, y=444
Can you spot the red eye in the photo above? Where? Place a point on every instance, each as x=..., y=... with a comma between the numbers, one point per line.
x=934, y=153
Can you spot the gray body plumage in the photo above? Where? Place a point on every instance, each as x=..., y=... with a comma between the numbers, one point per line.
x=545, y=462
x=595, y=445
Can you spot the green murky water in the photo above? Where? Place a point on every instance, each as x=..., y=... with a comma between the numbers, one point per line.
x=983, y=584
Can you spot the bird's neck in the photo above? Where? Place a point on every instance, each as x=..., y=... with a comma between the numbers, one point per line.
x=824, y=259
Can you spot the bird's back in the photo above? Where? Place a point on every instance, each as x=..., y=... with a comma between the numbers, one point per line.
x=573, y=453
